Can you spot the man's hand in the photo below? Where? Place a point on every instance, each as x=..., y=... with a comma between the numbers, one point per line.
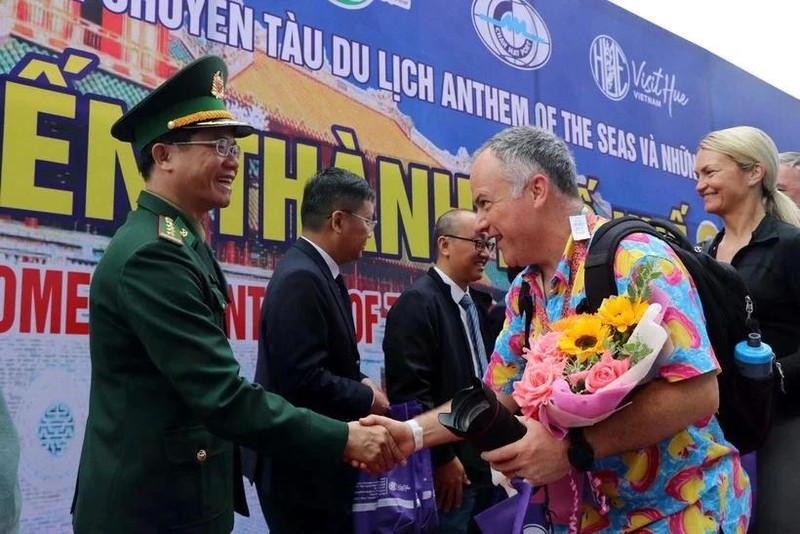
x=449, y=480
x=399, y=430
x=371, y=448
x=380, y=403
x=537, y=457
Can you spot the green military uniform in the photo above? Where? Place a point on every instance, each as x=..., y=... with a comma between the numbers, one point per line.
x=167, y=405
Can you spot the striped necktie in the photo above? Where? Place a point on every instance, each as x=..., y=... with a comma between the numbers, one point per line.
x=474, y=333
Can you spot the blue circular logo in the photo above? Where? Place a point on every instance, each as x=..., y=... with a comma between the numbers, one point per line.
x=609, y=67
x=56, y=428
x=513, y=31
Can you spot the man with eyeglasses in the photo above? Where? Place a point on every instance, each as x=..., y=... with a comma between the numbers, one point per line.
x=167, y=406
x=308, y=352
x=432, y=350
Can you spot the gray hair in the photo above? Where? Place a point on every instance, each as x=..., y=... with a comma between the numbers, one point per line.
x=527, y=150
x=792, y=159
x=748, y=147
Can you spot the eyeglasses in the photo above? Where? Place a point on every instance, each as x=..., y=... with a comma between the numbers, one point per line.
x=480, y=244
x=224, y=147
x=371, y=223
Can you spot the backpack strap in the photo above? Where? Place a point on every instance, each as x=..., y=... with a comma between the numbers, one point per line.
x=525, y=306
x=599, y=267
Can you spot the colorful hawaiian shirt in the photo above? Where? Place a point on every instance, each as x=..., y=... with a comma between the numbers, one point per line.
x=692, y=482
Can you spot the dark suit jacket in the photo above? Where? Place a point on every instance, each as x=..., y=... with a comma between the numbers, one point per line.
x=428, y=356
x=166, y=400
x=307, y=353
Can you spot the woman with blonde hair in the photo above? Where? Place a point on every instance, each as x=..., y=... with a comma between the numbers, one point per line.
x=736, y=172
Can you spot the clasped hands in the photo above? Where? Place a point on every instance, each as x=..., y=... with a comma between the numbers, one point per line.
x=380, y=443
x=377, y=443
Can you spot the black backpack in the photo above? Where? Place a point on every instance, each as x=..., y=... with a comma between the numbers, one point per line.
x=745, y=404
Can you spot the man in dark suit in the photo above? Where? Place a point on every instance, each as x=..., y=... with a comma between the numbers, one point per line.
x=167, y=403
x=431, y=354
x=307, y=352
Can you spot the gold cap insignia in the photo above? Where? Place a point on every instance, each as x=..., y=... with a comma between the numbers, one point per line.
x=218, y=86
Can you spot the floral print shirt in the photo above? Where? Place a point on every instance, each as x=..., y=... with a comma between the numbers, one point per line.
x=692, y=482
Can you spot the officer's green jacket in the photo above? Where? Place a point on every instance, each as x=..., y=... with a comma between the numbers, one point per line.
x=167, y=404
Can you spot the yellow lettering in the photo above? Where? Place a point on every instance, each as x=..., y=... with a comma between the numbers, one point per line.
x=23, y=148
x=101, y=157
x=396, y=208
x=464, y=192
x=280, y=187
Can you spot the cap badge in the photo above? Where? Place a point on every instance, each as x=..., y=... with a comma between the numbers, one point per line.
x=218, y=86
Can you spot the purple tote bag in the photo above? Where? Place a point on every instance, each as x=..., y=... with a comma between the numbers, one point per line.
x=401, y=500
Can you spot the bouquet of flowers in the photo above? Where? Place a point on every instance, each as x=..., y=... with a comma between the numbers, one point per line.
x=581, y=371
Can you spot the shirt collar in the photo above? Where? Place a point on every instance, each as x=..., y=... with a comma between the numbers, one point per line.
x=456, y=292
x=332, y=265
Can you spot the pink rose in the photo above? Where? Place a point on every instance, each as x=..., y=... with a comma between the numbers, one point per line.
x=536, y=385
x=544, y=347
x=605, y=371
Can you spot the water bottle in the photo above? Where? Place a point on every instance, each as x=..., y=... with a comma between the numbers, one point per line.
x=754, y=357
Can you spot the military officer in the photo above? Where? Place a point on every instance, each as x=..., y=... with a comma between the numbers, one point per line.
x=167, y=405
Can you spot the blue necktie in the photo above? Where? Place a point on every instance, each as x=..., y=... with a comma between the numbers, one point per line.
x=474, y=333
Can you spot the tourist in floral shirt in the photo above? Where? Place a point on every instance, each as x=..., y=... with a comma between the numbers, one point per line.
x=662, y=462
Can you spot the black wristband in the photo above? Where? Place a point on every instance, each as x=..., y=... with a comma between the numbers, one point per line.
x=580, y=453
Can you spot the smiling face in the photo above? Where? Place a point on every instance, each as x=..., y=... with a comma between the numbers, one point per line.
x=200, y=179
x=459, y=256
x=721, y=183
x=508, y=220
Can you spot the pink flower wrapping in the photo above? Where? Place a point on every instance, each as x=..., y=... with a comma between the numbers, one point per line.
x=563, y=390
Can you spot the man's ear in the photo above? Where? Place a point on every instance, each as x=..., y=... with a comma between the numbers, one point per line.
x=443, y=245
x=337, y=220
x=161, y=155
x=539, y=188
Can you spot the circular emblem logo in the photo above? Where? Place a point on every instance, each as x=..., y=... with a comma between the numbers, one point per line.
x=513, y=31
x=351, y=4
x=54, y=406
x=609, y=67
x=56, y=428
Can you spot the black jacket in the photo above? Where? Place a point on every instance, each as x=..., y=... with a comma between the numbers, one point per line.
x=768, y=264
x=428, y=358
x=307, y=353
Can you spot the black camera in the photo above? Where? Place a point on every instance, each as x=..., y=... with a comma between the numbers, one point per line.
x=477, y=416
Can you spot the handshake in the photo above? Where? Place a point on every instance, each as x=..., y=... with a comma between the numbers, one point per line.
x=377, y=443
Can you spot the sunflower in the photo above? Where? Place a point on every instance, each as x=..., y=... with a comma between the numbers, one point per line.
x=621, y=313
x=583, y=337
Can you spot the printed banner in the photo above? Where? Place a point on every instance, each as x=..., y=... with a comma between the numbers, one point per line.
x=400, y=92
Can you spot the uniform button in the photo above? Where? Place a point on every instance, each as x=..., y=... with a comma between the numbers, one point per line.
x=358, y=362
x=202, y=455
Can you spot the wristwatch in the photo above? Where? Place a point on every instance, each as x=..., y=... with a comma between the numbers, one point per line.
x=580, y=453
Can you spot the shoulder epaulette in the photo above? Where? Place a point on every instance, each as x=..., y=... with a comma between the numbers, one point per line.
x=168, y=230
